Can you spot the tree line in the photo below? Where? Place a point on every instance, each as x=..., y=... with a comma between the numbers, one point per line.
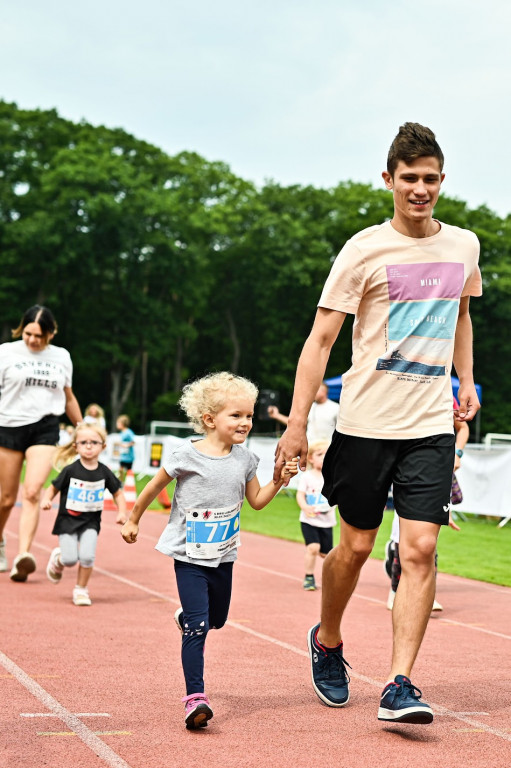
x=160, y=268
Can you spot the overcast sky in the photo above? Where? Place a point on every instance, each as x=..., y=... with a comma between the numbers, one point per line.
x=302, y=92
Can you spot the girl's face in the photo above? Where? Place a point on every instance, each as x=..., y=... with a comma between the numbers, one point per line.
x=34, y=338
x=233, y=423
x=316, y=459
x=88, y=443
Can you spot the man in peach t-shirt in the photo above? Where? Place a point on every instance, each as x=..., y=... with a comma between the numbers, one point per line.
x=408, y=284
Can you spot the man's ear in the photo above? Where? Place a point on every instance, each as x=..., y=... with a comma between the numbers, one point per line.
x=387, y=178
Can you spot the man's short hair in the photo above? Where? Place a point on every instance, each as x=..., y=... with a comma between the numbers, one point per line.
x=413, y=141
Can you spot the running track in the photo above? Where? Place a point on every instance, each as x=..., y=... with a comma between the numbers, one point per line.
x=101, y=686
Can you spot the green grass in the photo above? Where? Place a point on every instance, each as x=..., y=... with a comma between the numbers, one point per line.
x=480, y=550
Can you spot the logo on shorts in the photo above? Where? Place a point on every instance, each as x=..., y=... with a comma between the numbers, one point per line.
x=447, y=507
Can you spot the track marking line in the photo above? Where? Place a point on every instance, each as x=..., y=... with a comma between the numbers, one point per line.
x=440, y=710
x=102, y=750
x=474, y=627
x=53, y=714
x=467, y=714
x=73, y=733
x=39, y=677
x=286, y=646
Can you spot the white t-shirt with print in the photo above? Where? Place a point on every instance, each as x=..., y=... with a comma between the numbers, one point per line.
x=32, y=383
x=311, y=483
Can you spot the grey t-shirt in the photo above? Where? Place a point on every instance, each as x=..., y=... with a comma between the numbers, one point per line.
x=203, y=482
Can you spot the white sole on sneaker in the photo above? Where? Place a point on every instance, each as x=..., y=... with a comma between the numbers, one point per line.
x=22, y=566
x=419, y=715
x=4, y=565
x=177, y=614
x=53, y=575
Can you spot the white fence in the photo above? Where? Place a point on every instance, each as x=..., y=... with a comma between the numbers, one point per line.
x=484, y=477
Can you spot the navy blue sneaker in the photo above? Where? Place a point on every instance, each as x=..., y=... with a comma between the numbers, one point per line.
x=389, y=556
x=401, y=703
x=328, y=669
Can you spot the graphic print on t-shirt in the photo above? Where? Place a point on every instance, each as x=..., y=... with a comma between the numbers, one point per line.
x=424, y=301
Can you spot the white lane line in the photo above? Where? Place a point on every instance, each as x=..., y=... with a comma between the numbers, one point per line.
x=378, y=684
x=102, y=750
x=284, y=576
x=438, y=708
x=380, y=602
x=293, y=649
x=54, y=714
x=475, y=629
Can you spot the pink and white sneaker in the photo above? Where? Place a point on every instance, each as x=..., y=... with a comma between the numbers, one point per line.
x=54, y=568
x=197, y=710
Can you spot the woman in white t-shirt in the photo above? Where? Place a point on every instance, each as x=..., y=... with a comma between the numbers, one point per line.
x=35, y=389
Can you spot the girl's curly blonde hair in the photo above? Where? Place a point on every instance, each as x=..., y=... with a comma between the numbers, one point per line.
x=210, y=394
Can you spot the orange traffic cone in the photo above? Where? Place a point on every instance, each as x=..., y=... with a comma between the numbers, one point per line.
x=130, y=490
x=164, y=499
x=109, y=504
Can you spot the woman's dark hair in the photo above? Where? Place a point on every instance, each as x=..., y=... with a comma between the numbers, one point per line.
x=37, y=314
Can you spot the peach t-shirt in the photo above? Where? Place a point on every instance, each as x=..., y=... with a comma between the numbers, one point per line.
x=404, y=293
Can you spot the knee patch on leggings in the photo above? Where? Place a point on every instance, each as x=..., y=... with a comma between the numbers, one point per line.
x=190, y=628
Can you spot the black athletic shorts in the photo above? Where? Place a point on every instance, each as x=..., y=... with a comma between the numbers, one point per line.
x=358, y=472
x=313, y=534
x=44, y=432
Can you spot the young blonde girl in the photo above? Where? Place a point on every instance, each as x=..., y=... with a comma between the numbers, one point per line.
x=213, y=475
x=317, y=517
x=94, y=413
x=82, y=486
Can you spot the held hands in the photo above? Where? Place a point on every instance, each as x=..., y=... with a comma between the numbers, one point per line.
x=121, y=518
x=289, y=469
x=129, y=532
x=292, y=443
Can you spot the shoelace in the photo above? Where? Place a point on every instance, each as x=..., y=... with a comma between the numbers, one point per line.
x=190, y=701
x=334, y=666
x=407, y=688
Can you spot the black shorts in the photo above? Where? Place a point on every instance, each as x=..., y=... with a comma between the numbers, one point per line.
x=312, y=534
x=358, y=472
x=126, y=464
x=44, y=432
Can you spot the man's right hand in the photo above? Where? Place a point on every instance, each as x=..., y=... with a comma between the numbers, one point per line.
x=292, y=444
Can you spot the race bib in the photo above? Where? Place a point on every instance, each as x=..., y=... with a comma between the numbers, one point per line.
x=211, y=533
x=84, y=496
x=318, y=501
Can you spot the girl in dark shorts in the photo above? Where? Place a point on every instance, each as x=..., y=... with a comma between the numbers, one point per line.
x=317, y=517
x=35, y=382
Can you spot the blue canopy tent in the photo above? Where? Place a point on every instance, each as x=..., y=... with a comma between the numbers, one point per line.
x=335, y=386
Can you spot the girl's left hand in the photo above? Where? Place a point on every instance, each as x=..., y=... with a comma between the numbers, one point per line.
x=289, y=469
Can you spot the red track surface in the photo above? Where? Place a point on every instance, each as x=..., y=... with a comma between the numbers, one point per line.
x=101, y=686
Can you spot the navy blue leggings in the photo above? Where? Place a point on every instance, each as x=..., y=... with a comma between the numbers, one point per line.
x=205, y=595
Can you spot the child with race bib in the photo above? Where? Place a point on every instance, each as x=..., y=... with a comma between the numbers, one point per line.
x=213, y=475
x=82, y=488
x=317, y=517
